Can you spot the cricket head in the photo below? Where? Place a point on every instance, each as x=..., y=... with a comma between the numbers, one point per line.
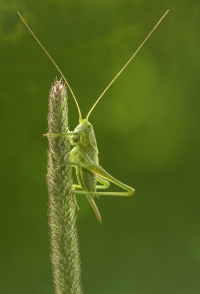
x=84, y=135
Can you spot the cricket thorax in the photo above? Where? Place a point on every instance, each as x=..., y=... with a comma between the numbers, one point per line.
x=78, y=152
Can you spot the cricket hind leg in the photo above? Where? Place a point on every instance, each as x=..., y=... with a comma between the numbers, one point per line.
x=102, y=175
x=105, y=185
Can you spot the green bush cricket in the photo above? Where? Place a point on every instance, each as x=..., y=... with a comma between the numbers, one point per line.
x=84, y=155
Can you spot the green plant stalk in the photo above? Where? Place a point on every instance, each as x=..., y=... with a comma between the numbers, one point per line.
x=65, y=256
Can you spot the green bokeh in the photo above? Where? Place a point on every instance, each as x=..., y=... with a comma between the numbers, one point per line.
x=147, y=129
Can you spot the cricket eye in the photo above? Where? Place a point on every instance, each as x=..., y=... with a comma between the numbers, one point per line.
x=75, y=138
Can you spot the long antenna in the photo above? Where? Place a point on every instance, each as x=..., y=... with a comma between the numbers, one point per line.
x=79, y=111
x=125, y=65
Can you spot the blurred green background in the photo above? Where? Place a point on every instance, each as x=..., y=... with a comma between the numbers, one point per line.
x=147, y=129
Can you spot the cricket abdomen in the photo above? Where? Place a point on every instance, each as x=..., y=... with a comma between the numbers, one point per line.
x=86, y=179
